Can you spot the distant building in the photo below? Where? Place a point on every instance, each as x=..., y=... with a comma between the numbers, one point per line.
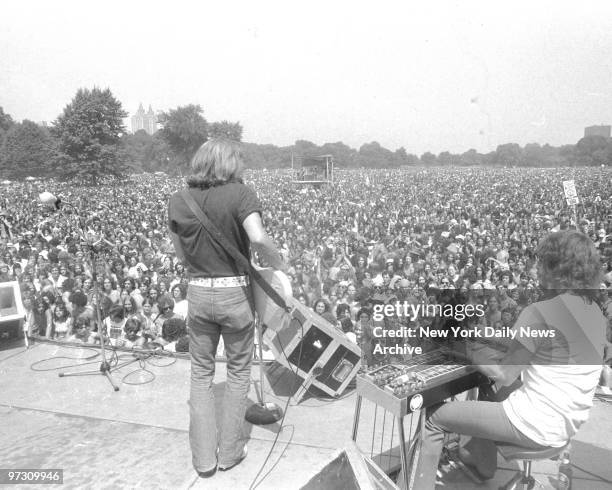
x=144, y=120
x=597, y=131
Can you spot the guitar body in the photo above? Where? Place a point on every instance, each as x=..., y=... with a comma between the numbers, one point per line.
x=270, y=314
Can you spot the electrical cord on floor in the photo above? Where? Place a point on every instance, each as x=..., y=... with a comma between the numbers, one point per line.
x=265, y=475
x=114, y=360
x=254, y=483
x=95, y=354
x=141, y=369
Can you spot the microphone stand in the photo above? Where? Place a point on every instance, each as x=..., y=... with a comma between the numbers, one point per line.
x=105, y=367
x=262, y=413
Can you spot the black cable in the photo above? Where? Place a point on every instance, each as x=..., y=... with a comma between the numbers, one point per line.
x=158, y=356
x=142, y=364
x=253, y=485
x=113, y=361
x=93, y=356
x=280, y=455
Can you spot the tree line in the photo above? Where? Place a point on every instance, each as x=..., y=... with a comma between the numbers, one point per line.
x=89, y=142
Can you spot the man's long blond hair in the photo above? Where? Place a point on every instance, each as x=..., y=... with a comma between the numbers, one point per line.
x=217, y=162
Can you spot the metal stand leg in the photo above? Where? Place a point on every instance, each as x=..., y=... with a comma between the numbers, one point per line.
x=512, y=484
x=403, y=455
x=356, y=417
x=104, y=369
x=305, y=386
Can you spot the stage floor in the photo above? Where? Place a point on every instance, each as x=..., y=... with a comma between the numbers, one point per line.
x=137, y=437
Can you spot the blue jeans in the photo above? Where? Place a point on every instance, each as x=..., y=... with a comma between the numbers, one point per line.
x=484, y=420
x=215, y=312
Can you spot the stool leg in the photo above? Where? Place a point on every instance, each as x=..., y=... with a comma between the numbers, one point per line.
x=516, y=479
x=529, y=481
x=527, y=468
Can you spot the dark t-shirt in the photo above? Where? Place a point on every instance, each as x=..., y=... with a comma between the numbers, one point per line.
x=226, y=206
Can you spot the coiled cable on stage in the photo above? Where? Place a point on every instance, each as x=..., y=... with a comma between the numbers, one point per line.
x=34, y=365
x=116, y=360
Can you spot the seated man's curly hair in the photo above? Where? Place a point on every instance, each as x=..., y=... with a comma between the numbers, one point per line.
x=182, y=344
x=173, y=329
x=568, y=261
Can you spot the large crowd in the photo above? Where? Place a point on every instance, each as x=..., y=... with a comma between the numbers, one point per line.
x=428, y=236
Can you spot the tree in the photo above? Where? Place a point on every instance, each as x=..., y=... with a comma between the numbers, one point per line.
x=225, y=129
x=428, y=158
x=136, y=147
x=28, y=150
x=412, y=159
x=184, y=129
x=510, y=154
x=344, y=156
x=6, y=121
x=533, y=155
x=266, y=156
x=593, y=150
x=306, y=148
x=158, y=156
x=401, y=156
x=374, y=155
x=445, y=158
x=471, y=157
x=89, y=136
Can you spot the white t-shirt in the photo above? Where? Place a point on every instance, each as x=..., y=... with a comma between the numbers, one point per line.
x=181, y=308
x=558, y=386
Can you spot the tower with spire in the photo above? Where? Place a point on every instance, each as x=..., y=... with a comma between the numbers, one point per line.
x=144, y=120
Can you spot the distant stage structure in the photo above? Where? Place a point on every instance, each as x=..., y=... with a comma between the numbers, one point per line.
x=312, y=170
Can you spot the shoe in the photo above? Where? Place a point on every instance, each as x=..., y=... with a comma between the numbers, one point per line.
x=460, y=457
x=244, y=455
x=207, y=474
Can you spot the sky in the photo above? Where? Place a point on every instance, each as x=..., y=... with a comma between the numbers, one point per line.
x=427, y=76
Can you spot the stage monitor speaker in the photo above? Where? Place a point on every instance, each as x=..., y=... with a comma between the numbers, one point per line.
x=350, y=470
x=12, y=312
x=316, y=350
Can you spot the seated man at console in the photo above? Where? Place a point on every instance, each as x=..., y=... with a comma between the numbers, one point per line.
x=557, y=352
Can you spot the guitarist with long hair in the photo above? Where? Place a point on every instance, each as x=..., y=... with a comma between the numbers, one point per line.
x=220, y=302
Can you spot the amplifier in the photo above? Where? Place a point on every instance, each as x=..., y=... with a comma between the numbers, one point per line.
x=11, y=310
x=317, y=351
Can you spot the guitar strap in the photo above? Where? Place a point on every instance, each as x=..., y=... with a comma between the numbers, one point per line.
x=236, y=254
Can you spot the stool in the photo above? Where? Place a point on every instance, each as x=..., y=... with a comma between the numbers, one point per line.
x=513, y=453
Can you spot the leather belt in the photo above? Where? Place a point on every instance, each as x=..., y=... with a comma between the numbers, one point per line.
x=220, y=282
